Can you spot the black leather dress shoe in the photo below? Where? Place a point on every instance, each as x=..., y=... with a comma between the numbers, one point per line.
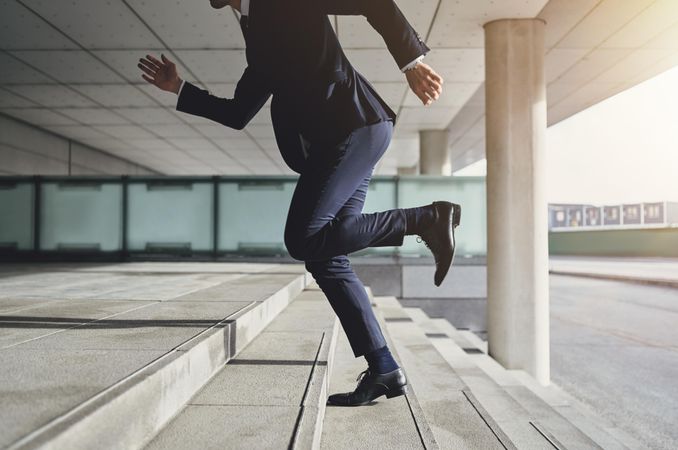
x=371, y=386
x=439, y=237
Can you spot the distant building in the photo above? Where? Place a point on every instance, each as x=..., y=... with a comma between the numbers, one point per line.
x=612, y=215
x=563, y=216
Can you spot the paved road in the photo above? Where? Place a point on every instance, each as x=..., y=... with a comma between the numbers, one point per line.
x=654, y=270
x=614, y=346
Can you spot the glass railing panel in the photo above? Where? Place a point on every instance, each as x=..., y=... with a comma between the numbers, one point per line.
x=16, y=215
x=381, y=196
x=170, y=215
x=469, y=192
x=81, y=216
x=252, y=215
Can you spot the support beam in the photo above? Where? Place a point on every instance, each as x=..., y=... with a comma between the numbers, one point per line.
x=517, y=240
x=413, y=170
x=434, y=155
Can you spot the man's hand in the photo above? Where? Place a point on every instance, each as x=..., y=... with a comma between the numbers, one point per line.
x=425, y=83
x=160, y=73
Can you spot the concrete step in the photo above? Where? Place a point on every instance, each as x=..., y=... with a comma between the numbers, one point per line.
x=603, y=432
x=114, y=380
x=451, y=410
x=384, y=424
x=566, y=422
x=497, y=389
x=273, y=394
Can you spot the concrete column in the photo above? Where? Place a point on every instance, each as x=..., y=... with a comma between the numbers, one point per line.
x=434, y=156
x=517, y=240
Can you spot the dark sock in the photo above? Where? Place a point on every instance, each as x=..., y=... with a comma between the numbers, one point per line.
x=418, y=218
x=381, y=361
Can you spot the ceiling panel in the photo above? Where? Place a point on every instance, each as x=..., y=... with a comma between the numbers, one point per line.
x=632, y=65
x=240, y=143
x=190, y=25
x=52, y=95
x=377, y=65
x=665, y=64
x=21, y=29
x=15, y=71
x=77, y=132
x=459, y=23
x=559, y=60
x=194, y=144
x=430, y=117
x=148, y=116
x=214, y=66
x=113, y=145
x=9, y=100
x=212, y=129
x=269, y=145
x=595, y=63
x=174, y=131
x=125, y=131
x=69, y=66
x=116, y=95
x=96, y=23
x=392, y=93
x=355, y=31
x=94, y=116
x=562, y=16
x=604, y=20
x=656, y=18
x=149, y=143
x=666, y=39
x=39, y=116
x=558, y=91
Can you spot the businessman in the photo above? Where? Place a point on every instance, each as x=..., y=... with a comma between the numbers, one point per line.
x=331, y=127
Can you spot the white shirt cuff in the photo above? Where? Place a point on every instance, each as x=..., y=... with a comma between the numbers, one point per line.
x=181, y=87
x=411, y=64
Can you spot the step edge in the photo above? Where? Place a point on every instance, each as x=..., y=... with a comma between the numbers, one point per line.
x=553, y=407
x=74, y=428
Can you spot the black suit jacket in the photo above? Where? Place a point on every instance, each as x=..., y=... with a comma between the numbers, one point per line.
x=294, y=55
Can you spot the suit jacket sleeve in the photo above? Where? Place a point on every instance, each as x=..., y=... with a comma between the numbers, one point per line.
x=401, y=39
x=251, y=93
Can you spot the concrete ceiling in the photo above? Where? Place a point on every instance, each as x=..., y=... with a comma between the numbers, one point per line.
x=594, y=50
x=70, y=67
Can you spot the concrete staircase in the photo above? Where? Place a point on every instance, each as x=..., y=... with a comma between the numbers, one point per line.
x=116, y=381
x=259, y=378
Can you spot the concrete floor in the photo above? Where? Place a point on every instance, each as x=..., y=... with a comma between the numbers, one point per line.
x=614, y=346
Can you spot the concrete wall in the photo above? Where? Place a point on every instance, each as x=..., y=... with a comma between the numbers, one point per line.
x=638, y=242
x=461, y=299
x=28, y=150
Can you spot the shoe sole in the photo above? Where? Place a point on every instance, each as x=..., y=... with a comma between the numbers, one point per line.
x=391, y=393
x=455, y=221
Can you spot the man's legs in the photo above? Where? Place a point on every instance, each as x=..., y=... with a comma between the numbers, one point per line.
x=314, y=231
x=346, y=293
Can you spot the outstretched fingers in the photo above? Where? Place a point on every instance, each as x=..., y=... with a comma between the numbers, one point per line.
x=147, y=68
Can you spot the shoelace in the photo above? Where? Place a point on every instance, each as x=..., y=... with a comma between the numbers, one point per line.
x=362, y=375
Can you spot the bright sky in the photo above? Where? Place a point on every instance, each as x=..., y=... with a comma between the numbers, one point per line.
x=624, y=149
